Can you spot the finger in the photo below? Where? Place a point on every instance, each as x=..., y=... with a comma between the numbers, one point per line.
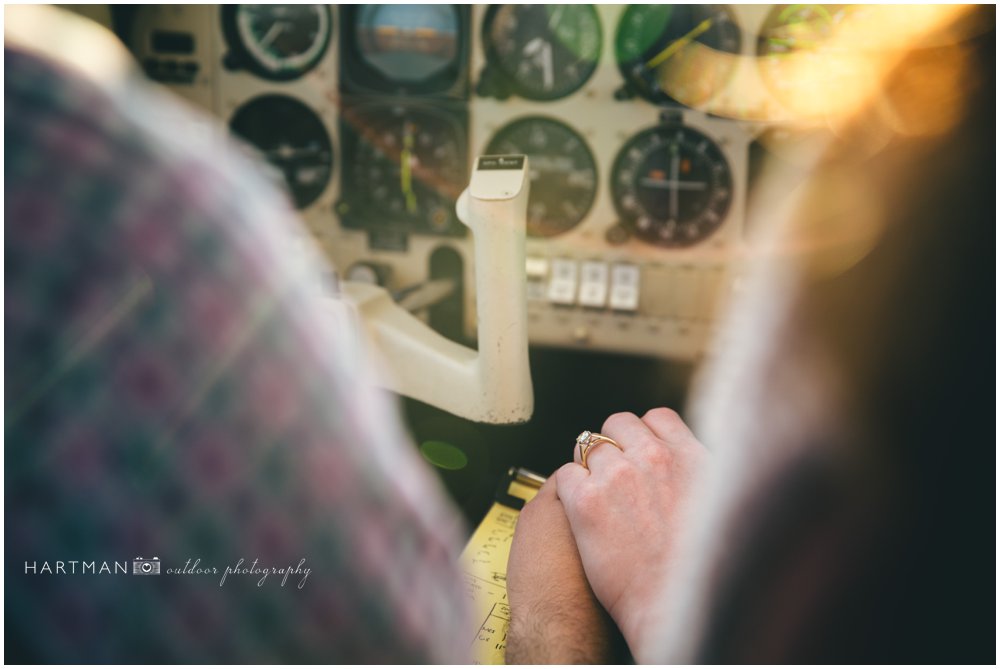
x=574, y=485
x=667, y=425
x=577, y=450
x=568, y=480
x=599, y=455
x=544, y=510
x=626, y=429
x=546, y=495
x=546, y=492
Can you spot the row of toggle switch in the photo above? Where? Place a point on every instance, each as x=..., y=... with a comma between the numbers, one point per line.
x=589, y=283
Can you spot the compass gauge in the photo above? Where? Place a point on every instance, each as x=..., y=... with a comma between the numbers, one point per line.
x=672, y=186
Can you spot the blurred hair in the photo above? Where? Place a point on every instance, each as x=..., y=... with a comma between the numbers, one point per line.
x=864, y=527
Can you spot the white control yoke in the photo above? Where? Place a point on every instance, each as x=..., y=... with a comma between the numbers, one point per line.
x=492, y=385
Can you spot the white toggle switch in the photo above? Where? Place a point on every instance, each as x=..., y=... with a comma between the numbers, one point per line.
x=593, y=284
x=562, y=284
x=624, y=287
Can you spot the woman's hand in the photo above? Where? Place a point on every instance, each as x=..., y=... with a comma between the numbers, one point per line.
x=628, y=510
x=555, y=618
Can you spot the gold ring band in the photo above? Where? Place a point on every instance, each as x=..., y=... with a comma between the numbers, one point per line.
x=587, y=440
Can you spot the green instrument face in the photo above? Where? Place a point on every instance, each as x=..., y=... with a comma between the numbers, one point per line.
x=563, y=172
x=793, y=32
x=543, y=52
x=648, y=36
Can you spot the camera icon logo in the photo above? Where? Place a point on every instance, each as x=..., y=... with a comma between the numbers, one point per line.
x=144, y=567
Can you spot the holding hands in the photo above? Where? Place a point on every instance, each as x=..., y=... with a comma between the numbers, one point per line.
x=555, y=618
x=626, y=509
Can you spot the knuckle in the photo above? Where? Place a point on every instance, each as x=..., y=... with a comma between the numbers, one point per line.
x=563, y=476
x=618, y=473
x=616, y=419
x=688, y=449
x=658, y=456
x=665, y=416
x=564, y=468
x=566, y=482
x=649, y=442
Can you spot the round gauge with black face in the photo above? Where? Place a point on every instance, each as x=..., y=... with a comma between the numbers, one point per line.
x=688, y=50
x=408, y=168
x=563, y=172
x=672, y=186
x=407, y=44
x=293, y=139
x=278, y=42
x=543, y=52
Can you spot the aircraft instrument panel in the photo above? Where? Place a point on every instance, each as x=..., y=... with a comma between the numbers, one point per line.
x=642, y=153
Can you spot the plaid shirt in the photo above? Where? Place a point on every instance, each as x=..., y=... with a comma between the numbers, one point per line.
x=175, y=390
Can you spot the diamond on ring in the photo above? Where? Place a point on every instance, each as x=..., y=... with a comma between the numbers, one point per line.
x=588, y=440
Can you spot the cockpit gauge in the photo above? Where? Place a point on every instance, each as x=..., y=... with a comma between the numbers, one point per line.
x=407, y=44
x=539, y=52
x=407, y=167
x=650, y=47
x=293, y=139
x=278, y=42
x=789, y=28
x=405, y=50
x=563, y=172
x=672, y=186
x=790, y=35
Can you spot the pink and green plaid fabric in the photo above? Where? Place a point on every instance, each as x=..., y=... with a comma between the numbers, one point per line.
x=173, y=389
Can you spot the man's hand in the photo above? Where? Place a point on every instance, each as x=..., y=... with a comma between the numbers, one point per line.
x=555, y=618
x=628, y=510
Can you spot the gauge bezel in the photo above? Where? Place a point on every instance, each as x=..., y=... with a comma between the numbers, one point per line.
x=660, y=97
x=355, y=212
x=292, y=103
x=245, y=54
x=510, y=80
x=359, y=77
x=630, y=222
x=541, y=118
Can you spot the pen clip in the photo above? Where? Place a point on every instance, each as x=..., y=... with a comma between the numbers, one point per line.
x=520, y=475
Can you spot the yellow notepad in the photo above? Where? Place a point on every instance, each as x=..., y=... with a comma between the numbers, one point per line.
x=484, y=561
